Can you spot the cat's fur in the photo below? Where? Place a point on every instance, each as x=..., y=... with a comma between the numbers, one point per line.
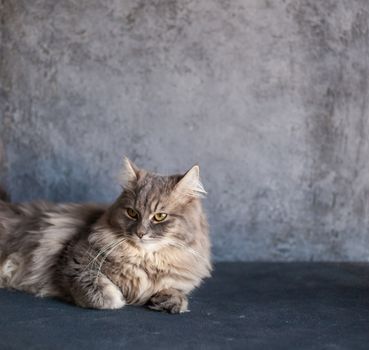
x=93, y=255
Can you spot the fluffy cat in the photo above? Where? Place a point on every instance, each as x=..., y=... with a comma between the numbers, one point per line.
x=151, y=246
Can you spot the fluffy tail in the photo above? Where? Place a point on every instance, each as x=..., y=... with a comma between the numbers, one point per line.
x=4, y=195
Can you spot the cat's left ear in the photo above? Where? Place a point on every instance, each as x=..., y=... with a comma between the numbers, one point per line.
x=130, y=172
x=190, y=184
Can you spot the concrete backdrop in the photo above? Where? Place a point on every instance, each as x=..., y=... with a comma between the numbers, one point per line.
x=270, y=97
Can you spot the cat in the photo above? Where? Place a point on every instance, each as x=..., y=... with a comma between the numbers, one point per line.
x=150, y=247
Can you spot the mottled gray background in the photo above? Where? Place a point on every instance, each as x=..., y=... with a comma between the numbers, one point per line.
x=270, y=97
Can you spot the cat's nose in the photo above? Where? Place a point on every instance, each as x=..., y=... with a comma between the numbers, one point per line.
x=140, y=234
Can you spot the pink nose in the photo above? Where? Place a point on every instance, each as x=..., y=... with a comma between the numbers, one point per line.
x=140, y=234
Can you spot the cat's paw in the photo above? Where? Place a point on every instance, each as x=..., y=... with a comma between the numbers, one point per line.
x=112, y=297
x=169, y=300
x=101, y=294
x=8, y=269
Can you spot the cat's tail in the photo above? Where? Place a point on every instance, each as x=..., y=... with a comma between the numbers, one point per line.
x=4, y=195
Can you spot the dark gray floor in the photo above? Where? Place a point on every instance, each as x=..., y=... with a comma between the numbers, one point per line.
x=244, y=306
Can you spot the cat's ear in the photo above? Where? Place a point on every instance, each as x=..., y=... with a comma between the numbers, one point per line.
x=130, y=172
x=190, y=184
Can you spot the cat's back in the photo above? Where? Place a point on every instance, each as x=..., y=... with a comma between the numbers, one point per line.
x=32, y=235
x=34, y=220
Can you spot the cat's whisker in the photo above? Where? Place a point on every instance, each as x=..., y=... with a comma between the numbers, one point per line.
x=106, y=255
x=101, y=252
x=108, y=246
x=189, y=249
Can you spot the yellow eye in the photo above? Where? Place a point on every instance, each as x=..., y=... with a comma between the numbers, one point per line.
x=160, y=217
x=132, y=213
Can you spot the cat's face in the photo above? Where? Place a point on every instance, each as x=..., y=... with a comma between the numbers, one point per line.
x=154, y=210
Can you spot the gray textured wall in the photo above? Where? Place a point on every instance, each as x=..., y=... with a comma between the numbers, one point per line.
x=270, y=97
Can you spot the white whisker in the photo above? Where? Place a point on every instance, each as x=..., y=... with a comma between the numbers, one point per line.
x=101, y=251
x=107, y=254
x=189, y=249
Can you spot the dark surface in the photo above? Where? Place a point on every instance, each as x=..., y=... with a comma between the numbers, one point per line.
x=244, y=306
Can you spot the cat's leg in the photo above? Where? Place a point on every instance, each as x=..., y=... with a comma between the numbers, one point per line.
x=170, y=300
x=96, y=292
x=9, y=269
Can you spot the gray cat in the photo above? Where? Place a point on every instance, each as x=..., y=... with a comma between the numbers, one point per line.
x=151, y=246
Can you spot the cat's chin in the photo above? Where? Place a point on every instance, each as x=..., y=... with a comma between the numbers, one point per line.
x=149, y=244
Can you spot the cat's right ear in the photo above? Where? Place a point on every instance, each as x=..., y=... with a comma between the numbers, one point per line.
x=130, y=173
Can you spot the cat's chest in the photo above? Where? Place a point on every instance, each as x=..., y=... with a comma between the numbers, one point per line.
x=139, y=280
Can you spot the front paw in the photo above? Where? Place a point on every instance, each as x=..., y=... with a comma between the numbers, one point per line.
x=169, y=300
x=101, y=294
x=112, y=298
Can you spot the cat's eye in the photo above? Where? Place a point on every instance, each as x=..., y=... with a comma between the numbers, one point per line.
x=160, y=217
x=132, y=213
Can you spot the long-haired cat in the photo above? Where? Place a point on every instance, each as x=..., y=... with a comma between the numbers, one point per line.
x=151, y=246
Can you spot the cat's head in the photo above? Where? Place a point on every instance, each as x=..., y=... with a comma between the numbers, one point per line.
x=154, y=210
